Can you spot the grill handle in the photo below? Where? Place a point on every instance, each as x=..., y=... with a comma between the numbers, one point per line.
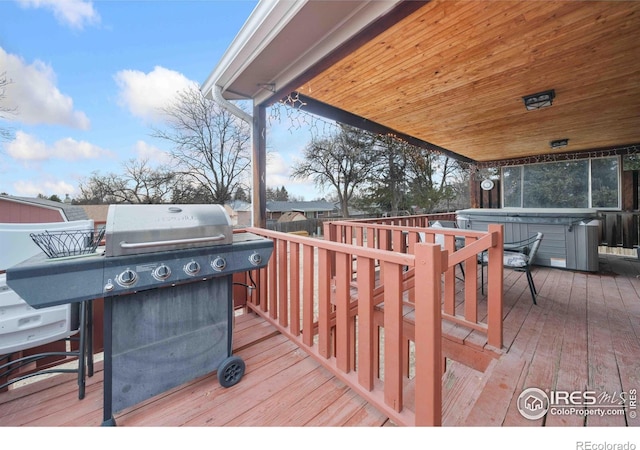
x=125, y=244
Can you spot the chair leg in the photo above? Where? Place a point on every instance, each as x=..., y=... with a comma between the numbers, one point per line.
x=532, y=287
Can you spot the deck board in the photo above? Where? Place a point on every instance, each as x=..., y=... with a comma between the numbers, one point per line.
x=572, y=371
x=583, y=334
x=601, y=354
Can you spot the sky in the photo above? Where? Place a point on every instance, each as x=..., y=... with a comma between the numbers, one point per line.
x=87, y=79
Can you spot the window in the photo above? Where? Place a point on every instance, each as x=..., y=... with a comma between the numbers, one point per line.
x=512, y=186
x=584, y=183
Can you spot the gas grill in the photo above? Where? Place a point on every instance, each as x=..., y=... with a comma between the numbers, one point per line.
x=165, y=274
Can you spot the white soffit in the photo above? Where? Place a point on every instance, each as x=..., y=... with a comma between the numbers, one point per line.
x=283, y=39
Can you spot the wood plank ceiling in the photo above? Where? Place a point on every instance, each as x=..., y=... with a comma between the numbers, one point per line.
x=453, y=73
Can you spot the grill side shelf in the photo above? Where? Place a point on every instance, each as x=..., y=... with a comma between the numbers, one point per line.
x=43, y=282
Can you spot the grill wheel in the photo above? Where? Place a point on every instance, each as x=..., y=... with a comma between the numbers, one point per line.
x=230, y=371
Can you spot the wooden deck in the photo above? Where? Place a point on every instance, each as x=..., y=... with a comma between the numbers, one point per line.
x=584, y=334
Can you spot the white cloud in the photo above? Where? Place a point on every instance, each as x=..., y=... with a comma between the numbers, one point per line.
x=277, y=166
x=278, y=174
x=146, y=94
x=154, y=155
x=31, y=91
x=74, y=13
x=29, y=148
x=47, y=187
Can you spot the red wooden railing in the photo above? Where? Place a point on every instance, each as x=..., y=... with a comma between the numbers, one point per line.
x=403, y=239
x=324, y=294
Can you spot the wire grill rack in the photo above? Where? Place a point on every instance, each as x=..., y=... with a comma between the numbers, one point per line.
x=56, y=244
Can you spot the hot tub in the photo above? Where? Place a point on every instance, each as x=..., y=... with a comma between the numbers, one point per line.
x=571, y=235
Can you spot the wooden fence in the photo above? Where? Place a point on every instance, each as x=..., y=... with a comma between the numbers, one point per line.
x=620, y=229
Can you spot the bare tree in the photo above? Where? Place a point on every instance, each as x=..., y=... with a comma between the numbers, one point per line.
x=186, y=191
x=210, y=144
x=5, y=111
x=139, y=183
x=340, y=161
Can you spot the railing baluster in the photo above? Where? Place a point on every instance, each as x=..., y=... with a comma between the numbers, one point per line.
x=294, y=258
x=273, y=281
x=393, y=336
x=399, y=243
x=263, y=287
x=342, y=302
x=308, y=294
x=471, y=286
x=360, y=236
x=366, y=327
x=450, y=278
x=283, y=283
x=348, y=234
x=324, y=302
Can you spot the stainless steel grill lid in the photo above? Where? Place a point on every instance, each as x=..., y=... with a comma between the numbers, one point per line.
x=138, y=229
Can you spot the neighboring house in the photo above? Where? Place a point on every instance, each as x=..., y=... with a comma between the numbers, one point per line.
x=37, y=210
x=98, y=213
x=239, y=212
x=311, y=210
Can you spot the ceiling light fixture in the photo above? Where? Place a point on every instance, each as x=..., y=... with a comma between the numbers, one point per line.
x=539, y=100
x=558, y=143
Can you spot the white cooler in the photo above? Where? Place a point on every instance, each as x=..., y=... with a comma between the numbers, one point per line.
x=21, y=326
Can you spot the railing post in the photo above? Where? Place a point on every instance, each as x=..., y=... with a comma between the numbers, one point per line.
x=495, y=286
x=428, y=335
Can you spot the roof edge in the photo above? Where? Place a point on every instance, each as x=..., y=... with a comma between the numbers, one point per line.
x=262, y=25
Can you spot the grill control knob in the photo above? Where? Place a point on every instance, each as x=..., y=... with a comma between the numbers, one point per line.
x=127, y=278
x=161, y=272
x=255, y=259
x=192, y=268
x=218, y=264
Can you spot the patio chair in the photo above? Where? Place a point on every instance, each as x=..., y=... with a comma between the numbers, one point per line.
x=519, y=256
